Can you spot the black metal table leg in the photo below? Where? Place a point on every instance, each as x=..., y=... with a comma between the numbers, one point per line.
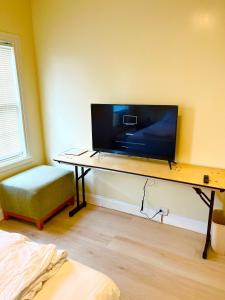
x=79, y=205
x=84, y=203
x=208, y=235
x=210, y=203
x=77, y=186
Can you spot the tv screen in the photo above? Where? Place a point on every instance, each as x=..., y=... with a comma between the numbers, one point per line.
x=139, y=130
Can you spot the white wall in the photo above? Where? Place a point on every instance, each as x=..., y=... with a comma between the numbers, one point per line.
x=146, y=51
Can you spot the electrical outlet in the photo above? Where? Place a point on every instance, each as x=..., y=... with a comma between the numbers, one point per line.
x=164, y=211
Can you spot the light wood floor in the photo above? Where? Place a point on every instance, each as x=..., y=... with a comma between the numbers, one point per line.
x=147, y=260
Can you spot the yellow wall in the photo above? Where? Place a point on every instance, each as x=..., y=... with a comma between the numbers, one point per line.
x=140, y=51
x=15, y=18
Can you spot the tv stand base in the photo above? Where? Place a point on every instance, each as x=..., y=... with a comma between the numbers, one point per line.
x=93, y=154
x=170, y=163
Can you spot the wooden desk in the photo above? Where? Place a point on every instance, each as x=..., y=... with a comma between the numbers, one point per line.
x=181, y=173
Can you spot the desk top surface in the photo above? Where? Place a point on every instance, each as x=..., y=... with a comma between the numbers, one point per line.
x=183, y=173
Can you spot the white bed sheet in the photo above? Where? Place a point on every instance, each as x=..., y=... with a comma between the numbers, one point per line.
x=75, y=281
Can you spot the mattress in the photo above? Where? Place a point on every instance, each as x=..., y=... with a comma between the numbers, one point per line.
x=75, y=281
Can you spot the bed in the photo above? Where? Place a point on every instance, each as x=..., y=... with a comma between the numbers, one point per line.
x=75, y=281
x=29, y=270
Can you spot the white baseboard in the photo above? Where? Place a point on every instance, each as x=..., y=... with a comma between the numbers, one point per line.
x=171, y=219
x=1, y=215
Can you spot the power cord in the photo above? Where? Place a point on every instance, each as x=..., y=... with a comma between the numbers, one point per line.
x=143, y=198
x=142, y=205
x=150, y=218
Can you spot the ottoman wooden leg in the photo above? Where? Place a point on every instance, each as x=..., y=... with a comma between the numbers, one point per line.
x=71, y=201
x=39, y=224
x=6, y=215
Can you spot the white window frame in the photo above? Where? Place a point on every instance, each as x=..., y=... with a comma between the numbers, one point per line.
x=15, y=162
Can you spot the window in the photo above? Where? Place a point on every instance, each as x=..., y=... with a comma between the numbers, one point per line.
x=12, y=136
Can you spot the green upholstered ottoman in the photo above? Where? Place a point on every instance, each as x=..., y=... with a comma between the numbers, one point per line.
x=35, y=195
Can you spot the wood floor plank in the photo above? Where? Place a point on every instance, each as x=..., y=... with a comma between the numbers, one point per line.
x=183, y=242
x=203, y=271
x=156, y=281
x=147, y=260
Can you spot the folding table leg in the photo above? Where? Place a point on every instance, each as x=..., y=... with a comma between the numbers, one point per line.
x=208, y=235
x=83, y=204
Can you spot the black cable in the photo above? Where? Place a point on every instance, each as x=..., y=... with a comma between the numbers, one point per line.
x=150, y=218
x=143, y=198
x=155, y=214
x=142, y=204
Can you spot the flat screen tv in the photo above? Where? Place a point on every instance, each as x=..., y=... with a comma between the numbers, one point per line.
x=137, y=130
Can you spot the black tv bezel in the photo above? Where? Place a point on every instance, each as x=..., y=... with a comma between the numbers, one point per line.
x=130, y=153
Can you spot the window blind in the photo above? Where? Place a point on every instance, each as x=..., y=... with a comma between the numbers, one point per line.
x=12, y=138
